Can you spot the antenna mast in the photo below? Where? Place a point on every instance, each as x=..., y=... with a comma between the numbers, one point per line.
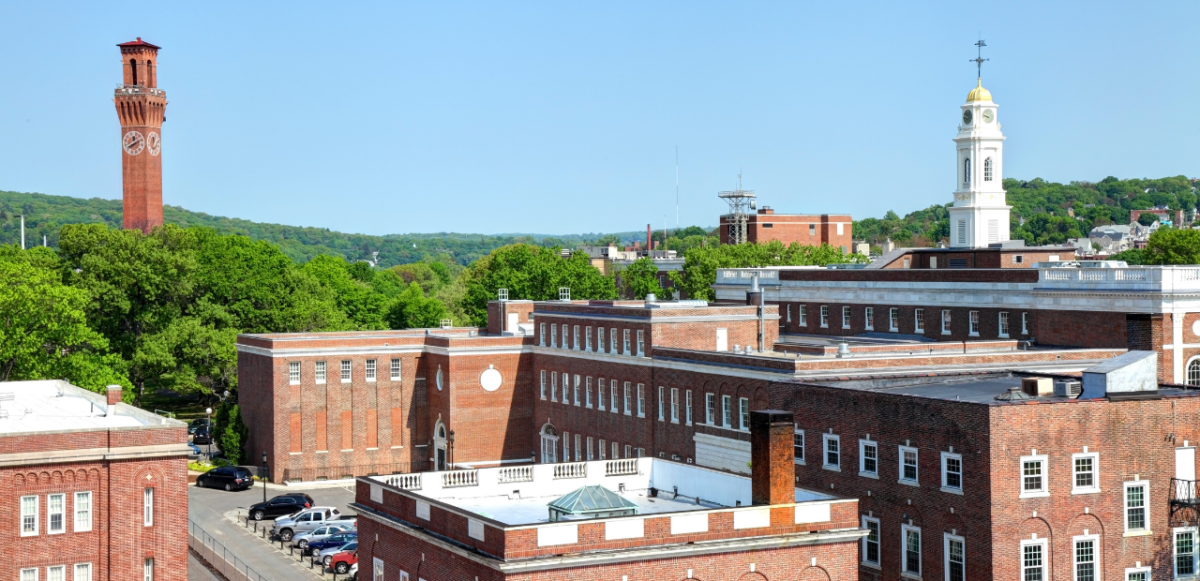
x=676, y=188
x=741, y=202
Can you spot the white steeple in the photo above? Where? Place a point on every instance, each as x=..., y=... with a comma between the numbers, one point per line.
x=980, y=214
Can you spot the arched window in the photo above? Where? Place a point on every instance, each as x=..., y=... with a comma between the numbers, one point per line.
x=1193, y=372
x=967, y=172
x=133, y=67
x=441, y=433
x=987, y=170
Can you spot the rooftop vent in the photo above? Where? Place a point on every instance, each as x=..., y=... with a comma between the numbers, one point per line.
x=1037, y=386
x=1014, y=394
x=502, y=294
x=650, y=298
x=1068, y=388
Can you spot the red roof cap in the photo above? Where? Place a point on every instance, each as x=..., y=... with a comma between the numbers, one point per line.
x=139, y=42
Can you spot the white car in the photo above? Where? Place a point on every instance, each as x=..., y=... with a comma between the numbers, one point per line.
x=302, y=540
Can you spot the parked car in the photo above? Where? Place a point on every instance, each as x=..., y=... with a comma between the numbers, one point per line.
x=227, y=477
x=342, y=561
x=305, y=521
x=202, y=435
x=200, y=423
x=354, y=572
x=282, y=505
x=195, y=449
x=319, y=535
x=338, y=540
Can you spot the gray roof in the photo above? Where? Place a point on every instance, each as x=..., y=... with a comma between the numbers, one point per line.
x=594, y=498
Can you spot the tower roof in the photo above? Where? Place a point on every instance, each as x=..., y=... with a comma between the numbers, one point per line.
x=138, y=42
x=979, y=93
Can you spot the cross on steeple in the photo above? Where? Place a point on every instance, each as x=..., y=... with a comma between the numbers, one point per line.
x=979, y=60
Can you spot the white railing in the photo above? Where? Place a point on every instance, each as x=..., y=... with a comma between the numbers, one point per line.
x=1131, y=278
x=1137, y=275
x=457, y=478
x=572, y=470
x=404, y=481
x=620, y=467
x=517, y=474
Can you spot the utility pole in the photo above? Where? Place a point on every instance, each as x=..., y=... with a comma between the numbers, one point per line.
x=22, y=231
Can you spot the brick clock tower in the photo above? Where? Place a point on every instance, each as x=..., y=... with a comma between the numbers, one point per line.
x=141, y=108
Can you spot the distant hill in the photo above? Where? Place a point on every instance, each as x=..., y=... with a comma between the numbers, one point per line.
x=45, y=215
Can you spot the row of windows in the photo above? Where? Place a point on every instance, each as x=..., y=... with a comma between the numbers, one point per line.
x=987, y=171
x=320, y=372
x=907, y=461
x=57, y=510
x=83, y=572
x=893, y=321
x=605, y=342
x=954, y=561
x=596, y=449
x=673, y=404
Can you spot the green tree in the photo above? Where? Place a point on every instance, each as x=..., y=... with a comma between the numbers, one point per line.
x=232, y=433
x=640, y=279
x=700, y=265
x=1147, y=219
x=533, y=273
x=413, y=310
x=1171, y=246
x=363, y=306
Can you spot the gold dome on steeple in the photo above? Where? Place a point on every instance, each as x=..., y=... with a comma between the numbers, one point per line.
x=979, y=93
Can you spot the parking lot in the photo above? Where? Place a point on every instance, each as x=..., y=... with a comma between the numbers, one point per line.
x=222, y=516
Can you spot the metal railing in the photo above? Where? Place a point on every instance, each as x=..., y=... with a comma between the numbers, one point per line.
x=1184, y=504
x=219, y=556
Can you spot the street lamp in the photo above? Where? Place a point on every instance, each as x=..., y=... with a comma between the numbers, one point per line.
x=452, y=449
x=211, y=430
x=266, y=470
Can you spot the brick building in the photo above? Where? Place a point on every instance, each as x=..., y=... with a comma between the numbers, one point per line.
x=90, y=488
x=815, y=229
x=141, y=109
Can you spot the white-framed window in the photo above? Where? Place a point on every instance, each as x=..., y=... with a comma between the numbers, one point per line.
x=370, y=367
x=908, y=465
x=377, y=569
x=1086, y=557
x=148, y=570
x=541, y=335
x=744, y=414
x=845, y=317
x=56, y=513
x=1003, y=326
x=600, y=336
x=587, y=339
x=29, y=516
x=1033, y=476
x=395, y=369
x=1137, y=574
x=662, y=404
x=687, y=407
x=56, y=573
x=803, y=316
x=919, y=321
x=566, y=447
x=910, y=551
x=946, y=321
x=1184, y=545
x=294, y=373
x=798, y=445
x=1085, y=473
x=824, y=316
x=553, y=336
x=575, y=338
x=628, y=410
x=600, y=394
x=893, y=319
x=616, y=450
x=578, y=448
x=543, y=383
x=952, y=472
x=83, y=512
x=1024, y=323
x=565, y=330
x=641, y=343
x=870, y=543
x=789, y=312
x=553, y=386
x=987, y=169
x=601, y=448
x=566, y=388
x=868, y=458
x=973, y=323
x=83, y=572
x=575, y=391
x=612, y=399
x=641, y=401
x=727, y=411
x=29, y=574
x=625, y=342
x=320, y=372
x=589, y=448
x=675, y=405
x=832, y=445
x=148, y=507
x=710, y=408
x=612, y=340
x=587, y=392
x=346, y=371
x=1033, y=560
x=869, y=316
x=955, y=557
x=1136, y=495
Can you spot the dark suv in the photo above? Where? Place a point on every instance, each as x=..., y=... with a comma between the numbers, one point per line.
x=202, y=436
x=200, y=423
x=281, y=505
x=227, y=477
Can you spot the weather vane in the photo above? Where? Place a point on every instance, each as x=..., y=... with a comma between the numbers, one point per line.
x=979, y=60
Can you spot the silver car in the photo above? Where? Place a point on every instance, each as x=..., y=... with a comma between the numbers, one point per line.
x=305, y=521
x=302, y=540
x=324, y=557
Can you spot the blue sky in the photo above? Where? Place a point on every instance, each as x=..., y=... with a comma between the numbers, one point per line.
x=563, y=117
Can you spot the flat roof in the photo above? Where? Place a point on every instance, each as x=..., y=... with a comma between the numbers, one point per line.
x=55, y=405
x=967, y=387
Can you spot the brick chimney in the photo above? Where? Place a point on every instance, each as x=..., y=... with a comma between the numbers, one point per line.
x=114, y=397
x=649, y=244
x=772, y=457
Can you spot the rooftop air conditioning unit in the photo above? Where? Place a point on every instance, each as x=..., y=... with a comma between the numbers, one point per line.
x=1068, y=388
x=1037, y=386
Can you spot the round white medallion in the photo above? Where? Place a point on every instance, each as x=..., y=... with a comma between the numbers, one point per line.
x=438, y=378
x=490, y=379
x=1196, y=328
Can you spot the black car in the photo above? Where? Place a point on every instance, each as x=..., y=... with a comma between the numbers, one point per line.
x=227, y=477
x=200, y=423
x=281, y=505
x=202, y=436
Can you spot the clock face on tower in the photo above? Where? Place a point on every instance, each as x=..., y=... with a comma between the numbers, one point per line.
x=133, y=143
x=988, y=115
x=967, y=116
x=153, y=143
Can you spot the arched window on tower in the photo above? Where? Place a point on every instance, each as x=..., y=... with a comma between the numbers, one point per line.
x=1193, y=372
x=133, y=67
x=966, y=172
x=987, y=170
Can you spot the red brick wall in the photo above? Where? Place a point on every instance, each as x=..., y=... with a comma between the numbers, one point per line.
x=795, y=228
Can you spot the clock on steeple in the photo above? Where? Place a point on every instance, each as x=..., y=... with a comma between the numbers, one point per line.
x=141, y=108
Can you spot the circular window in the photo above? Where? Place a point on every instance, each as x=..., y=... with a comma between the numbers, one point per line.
x=438, y=378
x=490, y=379
x=1196, y=328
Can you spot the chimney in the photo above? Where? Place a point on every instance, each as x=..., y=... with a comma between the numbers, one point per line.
x=772, y=457
x=114, y=397
x=649, y=245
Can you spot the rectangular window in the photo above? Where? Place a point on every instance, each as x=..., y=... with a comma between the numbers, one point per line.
x=845, y=317
x=870, y=318
x=812, y=229
x=612, y=341
x=612, y=400
x=727, y=411
x=553, y=335
x=29, y=516
x=395, y=369
x=83, y=511
x=565, y=329
x=833, y=451
x=587, y=400
x=616, y=450
x=542, y=335
x=587, y=339
x=1185, y=552
x=870, y=543
x=789, y=313
x=1135, y=506
x=600, y=449
x=803, y=315
x=908, y=465
x=575, y=337
x=911, y=557
x=675, y=405
x=30, y=574
x=589, y=449
x=600, y=394
x=744, y=414
x=566, y=385
x=1024, y=323
x=1085, y=478
x=148, y=570
x=575, y=391
x=641, y=344
x=1085, y=558
x=377, y=569
x=687, y=407
x=946, y=322
x=56, y=514
x=625, y=342
x=710, y=408
x=148, y=507
x=566, y=447
x=1137, y=574
x=56, y=573
x=824, y=316
x=798, y=445
x=1003, y=324
x=1033, y=476
x=578, y=448
x=952, y=472
x=628, y=410
x=83, y=572
x=919, y=321
x=893, y=319
x=973, y=322
x=553, y=386
x=628, y=451
x=320, y=372
x=868, y=458
x=294, y=373
x=346, y=371
x=956, y=563
x=543, y=383
x=641, y=393
x=600, y=339
x=1033, y=560
x=370, y=370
